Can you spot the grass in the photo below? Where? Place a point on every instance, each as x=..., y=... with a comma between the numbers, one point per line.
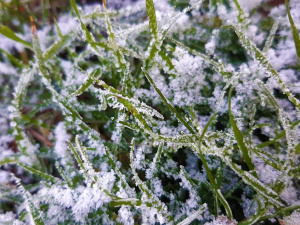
x=130, y=142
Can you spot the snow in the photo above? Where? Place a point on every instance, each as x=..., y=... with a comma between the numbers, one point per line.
x=61, y=143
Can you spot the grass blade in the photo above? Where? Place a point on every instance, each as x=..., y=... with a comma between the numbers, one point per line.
x=6, y=31
x=58, y=46
x=33, y=210
x=62, y=173
x=13, y=59
x=294, y=29
x=152, y=17
x=270, y=38
x=38, y=173
x=88, y=82
x=194, y=216
x=242, y=18
x=240, y=140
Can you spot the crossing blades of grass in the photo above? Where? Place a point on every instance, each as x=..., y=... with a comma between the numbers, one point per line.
x=256, y=54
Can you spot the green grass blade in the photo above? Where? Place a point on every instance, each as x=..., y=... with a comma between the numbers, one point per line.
x=7, y=160
x=240, y=140
x=58, y=29
x=127, y=87
x=15, y=61
x=167, y=60
x=242, y=18
x=74, y=6
x=218, y=66
x=6, y=31
x=152, y=17
x=294, y=29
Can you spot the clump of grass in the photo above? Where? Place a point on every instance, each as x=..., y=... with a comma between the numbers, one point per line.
x=138, y=116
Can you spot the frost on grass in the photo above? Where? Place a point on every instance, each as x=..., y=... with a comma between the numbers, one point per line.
x=159, y=72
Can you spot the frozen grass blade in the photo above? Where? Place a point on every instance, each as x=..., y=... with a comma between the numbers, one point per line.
x=281, y=211
x=285, y=124
x=62, y=173
x=75, y=153
x=167, y=60
x=270, y=38
x=8, y=160
x=24, y=144
x=33, y=211
x=58, y=29
x=276, y=165
x=58, y=46
x=242, y=18
x=88, y=35
x=155, y=45
x=125, y=184
x=249, y=179
x=39, y=173
x=108, y=150
x=194, y=216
